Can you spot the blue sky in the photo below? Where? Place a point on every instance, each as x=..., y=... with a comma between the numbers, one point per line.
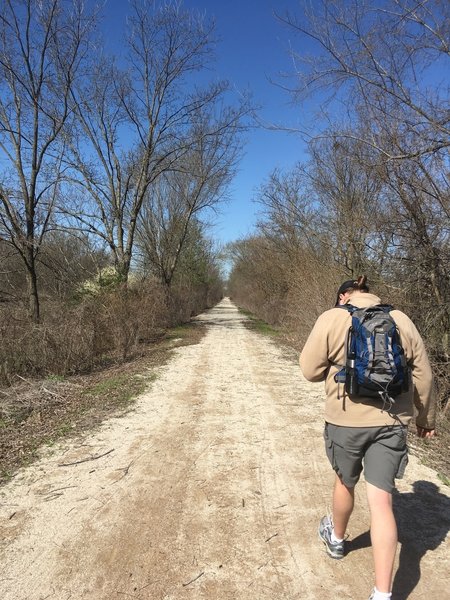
x=253, y=49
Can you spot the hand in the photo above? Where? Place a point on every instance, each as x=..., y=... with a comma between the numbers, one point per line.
x=425, y=433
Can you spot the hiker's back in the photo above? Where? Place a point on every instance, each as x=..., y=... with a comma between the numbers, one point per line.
x=375, y=365
x=326, y=343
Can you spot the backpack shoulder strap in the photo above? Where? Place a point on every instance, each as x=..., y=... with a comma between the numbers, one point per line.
x=351, y=309
x=386, y=307
x=348, y=307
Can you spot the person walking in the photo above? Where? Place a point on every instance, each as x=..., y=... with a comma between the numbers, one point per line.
x=365, y=433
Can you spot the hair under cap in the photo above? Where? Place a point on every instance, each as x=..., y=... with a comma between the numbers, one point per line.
x=352, y=284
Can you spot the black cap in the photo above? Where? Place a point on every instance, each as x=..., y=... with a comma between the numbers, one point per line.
x=350, y=284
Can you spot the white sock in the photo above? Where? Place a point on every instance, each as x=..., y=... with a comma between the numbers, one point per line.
x=334, y=539
x=381, y=595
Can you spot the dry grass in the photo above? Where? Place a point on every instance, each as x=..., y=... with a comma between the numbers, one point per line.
x=77, y=336
x=434, y=453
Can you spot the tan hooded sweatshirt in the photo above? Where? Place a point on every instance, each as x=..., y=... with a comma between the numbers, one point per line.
x=324, y=350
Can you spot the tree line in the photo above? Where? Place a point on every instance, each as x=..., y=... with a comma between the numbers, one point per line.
x=108, y=156
x=373, y=194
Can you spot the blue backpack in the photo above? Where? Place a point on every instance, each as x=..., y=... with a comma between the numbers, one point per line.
x=375, y=362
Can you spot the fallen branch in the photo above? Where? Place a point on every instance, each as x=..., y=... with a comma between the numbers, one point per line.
x=125, y=471
x=67, y=487
x=53, y=496
x=195, y=579
x=77, y=462
x=44, y=389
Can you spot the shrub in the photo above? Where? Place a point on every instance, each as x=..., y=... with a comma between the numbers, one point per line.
x=75, y=338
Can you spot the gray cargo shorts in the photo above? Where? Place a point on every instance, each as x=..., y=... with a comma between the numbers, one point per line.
x=381, y=450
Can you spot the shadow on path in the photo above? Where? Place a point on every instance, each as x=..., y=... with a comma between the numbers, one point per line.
x=358, y=543
x=423, y=521
x=221, y=315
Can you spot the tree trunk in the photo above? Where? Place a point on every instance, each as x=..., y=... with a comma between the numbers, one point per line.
x=122, y=266
x=33, y=295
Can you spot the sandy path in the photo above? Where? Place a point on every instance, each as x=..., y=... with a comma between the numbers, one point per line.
x=211, y=488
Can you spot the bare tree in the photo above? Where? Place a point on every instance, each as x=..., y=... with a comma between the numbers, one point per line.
x=181, y=196
x=42, y=46
x=137, y=124
x=198, y=275
x=346, y=191
x=288, y=218
x=390, y=61
x=65, y=261
x=415, y=220
x=325, y=206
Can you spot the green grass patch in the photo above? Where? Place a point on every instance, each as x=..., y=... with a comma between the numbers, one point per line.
x=59, y=431
x=64, y=429
x=181, y=331
x=5, y=475
x=118, y=390
x=187, y=333
x=256, y=324
x=445, y=480
x=56, y=378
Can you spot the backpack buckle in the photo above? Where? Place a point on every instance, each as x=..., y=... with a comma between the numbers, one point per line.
x=340, y=376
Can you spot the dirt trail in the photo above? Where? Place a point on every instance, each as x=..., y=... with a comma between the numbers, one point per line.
x=211, y=488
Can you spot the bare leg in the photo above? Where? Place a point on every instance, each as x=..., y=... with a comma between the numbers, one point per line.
x=383, y=533
x=343, y=502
